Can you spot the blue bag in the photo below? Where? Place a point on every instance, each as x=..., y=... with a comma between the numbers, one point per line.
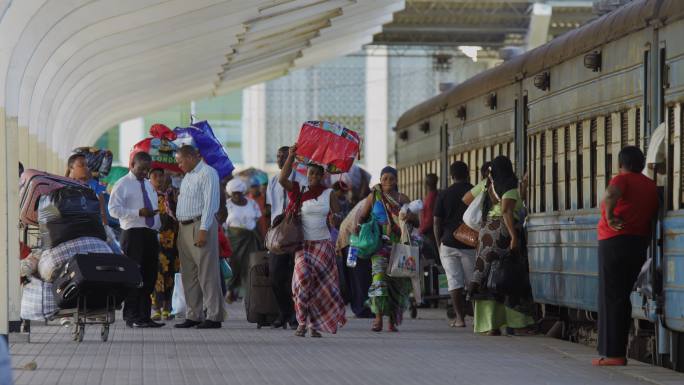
x=202, y=136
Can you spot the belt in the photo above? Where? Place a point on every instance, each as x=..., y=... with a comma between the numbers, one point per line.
x=190, y=221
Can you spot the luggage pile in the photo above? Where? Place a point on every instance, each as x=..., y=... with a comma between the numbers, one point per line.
x=73, y=270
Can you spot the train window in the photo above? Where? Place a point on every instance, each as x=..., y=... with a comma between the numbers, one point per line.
x=541, y=140
x=580, y=165
x=554, y=169
x=670, y=156
x=568, y=167
x=593, y=138
x=624, y=129
x=638, y=128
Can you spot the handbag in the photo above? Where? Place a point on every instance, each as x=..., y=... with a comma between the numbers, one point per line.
x=466, y=235
x=404, y=258
x=507, y=275
x=286, y=235
x=368, y=239
x=472, y=217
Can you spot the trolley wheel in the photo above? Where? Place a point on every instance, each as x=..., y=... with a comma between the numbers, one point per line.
x=414, y=311
x=80, y=332
x=104, y=333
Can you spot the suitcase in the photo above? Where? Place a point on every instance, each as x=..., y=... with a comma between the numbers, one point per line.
x=260, y=302
x=96, y=277
x=34, y=184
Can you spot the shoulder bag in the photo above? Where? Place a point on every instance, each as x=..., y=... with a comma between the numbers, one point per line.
x=286, y=235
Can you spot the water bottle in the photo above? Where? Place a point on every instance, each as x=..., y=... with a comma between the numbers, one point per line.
x=352, y=256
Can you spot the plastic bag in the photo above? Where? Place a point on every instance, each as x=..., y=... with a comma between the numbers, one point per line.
x=178, y=297
x=472, y=217
x=368, y=239
x=112, y=241
x=68, y=201
x=329, y=145
x=226, y=272
x=405, y=257
x=161, y=148
x=212, y=151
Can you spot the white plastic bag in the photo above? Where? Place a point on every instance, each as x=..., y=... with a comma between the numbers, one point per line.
x=472, y=217
x=405, y=257
x=178, y=297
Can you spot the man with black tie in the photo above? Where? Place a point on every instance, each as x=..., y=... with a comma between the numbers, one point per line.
x=134, y=202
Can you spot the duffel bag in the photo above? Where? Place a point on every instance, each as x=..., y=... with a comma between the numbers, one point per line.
x=55, y=233
x=68, y=201
x=52, y=259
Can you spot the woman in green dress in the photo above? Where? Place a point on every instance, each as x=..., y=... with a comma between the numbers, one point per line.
x=501, y=233
x=388, y=296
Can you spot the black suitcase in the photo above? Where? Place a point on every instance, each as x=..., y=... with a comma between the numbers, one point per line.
x=260, y=302
x=95, y=278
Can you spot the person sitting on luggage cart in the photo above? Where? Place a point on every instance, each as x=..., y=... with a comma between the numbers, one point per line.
x=134, y=203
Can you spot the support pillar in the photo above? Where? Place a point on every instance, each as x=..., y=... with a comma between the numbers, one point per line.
x=254, y=126
x=10, y=291
x=130, y=132
x=376, y=135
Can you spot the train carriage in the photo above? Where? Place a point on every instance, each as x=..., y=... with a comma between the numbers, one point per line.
x=562, y=112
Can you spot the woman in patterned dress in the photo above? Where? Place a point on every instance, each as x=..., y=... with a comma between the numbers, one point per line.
x=168, y=253
x=315, y=284
x=388, y=296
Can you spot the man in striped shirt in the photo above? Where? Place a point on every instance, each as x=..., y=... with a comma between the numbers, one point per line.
x=196, y=210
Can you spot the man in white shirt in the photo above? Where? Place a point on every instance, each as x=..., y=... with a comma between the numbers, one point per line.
x=198, y=245
x=281, y=267
x=134, y=203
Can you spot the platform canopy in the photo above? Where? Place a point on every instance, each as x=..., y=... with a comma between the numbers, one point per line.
x=72, y=68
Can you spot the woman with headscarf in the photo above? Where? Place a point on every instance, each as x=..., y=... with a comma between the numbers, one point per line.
x=315, y=284
x=388, y=296
x=241, y=222
x=501, y=233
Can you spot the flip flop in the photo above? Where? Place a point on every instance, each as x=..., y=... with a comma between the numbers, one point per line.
x=609, y=361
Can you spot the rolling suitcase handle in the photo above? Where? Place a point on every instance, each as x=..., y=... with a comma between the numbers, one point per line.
x=110, y=268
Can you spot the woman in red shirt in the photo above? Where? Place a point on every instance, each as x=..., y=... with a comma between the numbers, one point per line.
x=629, y=206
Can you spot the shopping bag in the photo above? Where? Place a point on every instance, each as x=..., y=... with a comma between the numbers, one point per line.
x=37, y=301
x=200, y=135
x=178, y=297
x=368, y=239
x=472, y=217
x=404, y=258
x=328, y=145
x=226, y=272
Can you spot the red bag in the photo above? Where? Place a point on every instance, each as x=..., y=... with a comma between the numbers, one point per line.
x=160, y=147
x=329, y=145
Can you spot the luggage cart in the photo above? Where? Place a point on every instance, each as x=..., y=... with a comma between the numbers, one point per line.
x=430, y=285
x=83, y=316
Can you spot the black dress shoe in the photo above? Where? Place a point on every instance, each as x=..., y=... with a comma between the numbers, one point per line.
x=207, y=324
x=188, y=323
x=154, y=324
x=137, y=324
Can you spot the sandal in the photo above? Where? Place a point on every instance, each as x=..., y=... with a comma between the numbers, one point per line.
x=301, y=331
x=156, y=316
x=490, y=333
x=609, y=361
x=457, y=324
x=392, y=327
x=315, y=333
x=377, y=325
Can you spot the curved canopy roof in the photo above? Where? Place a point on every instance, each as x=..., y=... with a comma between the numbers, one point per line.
x=71, y=69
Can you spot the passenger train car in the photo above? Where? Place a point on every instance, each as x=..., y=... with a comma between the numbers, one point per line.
x=562, y=112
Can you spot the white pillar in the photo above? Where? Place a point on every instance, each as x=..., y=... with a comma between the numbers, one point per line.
x=254, y=126
x=375, y=149
x=130, y=132
x=10, y=291
x=538, y=31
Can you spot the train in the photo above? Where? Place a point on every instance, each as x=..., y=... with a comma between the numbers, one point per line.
x=562, y=112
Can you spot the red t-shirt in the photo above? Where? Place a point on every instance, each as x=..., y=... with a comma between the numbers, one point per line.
x=426, y=216
x=636, y=207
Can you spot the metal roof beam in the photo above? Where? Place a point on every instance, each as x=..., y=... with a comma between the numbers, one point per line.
x=452, y=28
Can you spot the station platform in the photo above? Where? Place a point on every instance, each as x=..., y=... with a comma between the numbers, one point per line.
x=425, y=351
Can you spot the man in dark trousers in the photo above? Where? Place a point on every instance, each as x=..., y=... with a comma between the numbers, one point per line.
x=281, y=267
x=134, y=203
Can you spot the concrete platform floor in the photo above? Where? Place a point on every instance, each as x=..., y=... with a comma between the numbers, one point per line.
x=425, y=351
